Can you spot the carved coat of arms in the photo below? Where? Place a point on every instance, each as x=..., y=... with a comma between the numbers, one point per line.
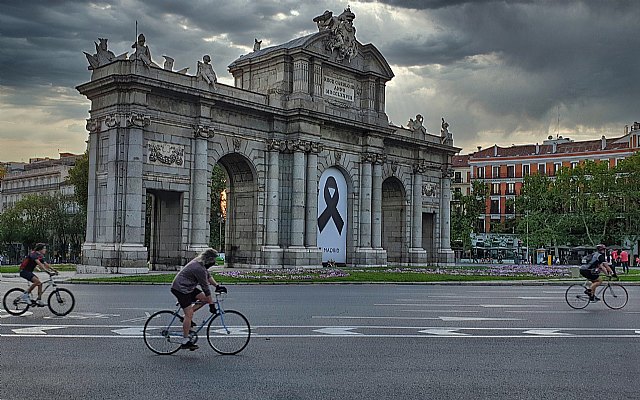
x=343, y=33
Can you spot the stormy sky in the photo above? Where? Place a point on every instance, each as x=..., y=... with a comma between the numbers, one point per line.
x=498, y=71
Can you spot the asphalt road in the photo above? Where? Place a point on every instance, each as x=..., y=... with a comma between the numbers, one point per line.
x=333, y=342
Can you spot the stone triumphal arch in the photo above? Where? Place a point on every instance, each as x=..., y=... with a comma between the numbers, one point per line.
x=316, y=172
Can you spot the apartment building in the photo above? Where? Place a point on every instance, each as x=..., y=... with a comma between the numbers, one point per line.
x=38, y=176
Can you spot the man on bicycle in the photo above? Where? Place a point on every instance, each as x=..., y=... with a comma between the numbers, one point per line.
x=34, y=260
x=184, y=287
x=592, y=269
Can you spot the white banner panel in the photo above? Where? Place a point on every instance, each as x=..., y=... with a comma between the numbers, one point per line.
x=332, y=216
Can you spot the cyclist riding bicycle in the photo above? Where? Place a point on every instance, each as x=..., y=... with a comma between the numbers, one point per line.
x=34, y=260
x=184, y=287
x=592, y=269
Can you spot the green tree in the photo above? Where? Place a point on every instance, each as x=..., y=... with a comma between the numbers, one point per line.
x=217, y=221
x=79, y=178
x=466, y=211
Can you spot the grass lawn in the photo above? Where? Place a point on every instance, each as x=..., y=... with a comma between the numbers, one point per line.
x=14, y=269
x=397, y=275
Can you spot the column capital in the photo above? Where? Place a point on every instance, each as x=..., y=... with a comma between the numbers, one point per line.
x=112, y=120
x=447, y=172
x=275, y=144
x=202, y=132
x=420, y=167
x=138, y=120
x=293, y=146
x=314, y=147
x=93, y=125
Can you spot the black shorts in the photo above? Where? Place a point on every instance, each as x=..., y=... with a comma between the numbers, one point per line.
x=186, y=299
x=590, y=275
x=28, y=275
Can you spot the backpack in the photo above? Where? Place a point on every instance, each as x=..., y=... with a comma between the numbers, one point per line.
x=24, y=263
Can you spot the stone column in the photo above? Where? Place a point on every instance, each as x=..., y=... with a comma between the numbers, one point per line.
x=133, y=229
x=416, y=214
x=301, y=76
x=446, y=254
x=92, y=126
x=297, y=195
x=200, y=202
x=273, y=193
x=417, y=254
x=311, y=230
x=365, y=200
x=376, y=201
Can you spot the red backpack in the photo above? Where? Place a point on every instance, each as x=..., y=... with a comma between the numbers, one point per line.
x=24, y=263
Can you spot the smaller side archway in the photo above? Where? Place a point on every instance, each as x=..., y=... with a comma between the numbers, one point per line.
x=393, y=221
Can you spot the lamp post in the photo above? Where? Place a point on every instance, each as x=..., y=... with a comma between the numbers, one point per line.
x=219, y=232
x=527, y=220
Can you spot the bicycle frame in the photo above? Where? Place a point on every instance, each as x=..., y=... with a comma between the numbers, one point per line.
x=217, y=302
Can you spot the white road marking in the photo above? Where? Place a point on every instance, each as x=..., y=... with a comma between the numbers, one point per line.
x=545, y=332
x=444, y=332
x=139, y=319
x=478, y=319
x=81, y=315
x=442, y=311
x=510, y=306
x=137, y=331
x=4, y=314
x=337, y=331
x=35, y=330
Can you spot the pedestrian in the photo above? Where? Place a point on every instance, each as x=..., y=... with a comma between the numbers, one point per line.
x=637, y=260
x=624, y=261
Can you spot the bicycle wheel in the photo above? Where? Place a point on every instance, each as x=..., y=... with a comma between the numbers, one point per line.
x=576, y=297
x=615, y=296
x=228, y=333
x=61, y=302
x=163, y=332
x=13, y=302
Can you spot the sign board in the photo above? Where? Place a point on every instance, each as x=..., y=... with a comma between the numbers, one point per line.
x=339, y=89
x=332, y=216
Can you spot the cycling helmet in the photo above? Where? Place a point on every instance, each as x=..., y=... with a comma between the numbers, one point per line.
x=601, y=247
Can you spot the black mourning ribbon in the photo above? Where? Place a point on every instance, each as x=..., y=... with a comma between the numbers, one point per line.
x=331, y=212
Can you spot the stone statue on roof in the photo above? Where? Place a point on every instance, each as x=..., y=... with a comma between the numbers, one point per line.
x=142, y=52
x=343, y=33
x=445, y=135
x=416, y=126
x=103, y=56
x=256, y=44
x=205, y=71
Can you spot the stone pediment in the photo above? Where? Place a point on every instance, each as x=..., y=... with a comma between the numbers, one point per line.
x=367, y=60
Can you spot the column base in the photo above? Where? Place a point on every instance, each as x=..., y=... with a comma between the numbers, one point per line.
x=418, y=256
x=110, y=258
x=302, y=257
x=446, y=256
x=369, y=257
x=271, y=256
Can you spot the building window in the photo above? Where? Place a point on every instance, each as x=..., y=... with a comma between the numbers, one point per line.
x=495, y=189
x=509, y=207
x=457, y=191
x=525, y=170
x=511, y=188
x=542, y=169
x=481, y=172
x=457, y=178
x=495, y=173
x=480, y=225
x=495, y=207
x=511, y=171
x=556, y=168
x=574, y=164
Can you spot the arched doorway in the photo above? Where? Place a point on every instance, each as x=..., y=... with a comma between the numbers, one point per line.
x=393, y=220
x=240, y=232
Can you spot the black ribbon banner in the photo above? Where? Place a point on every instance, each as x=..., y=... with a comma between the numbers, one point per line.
x=331, y=211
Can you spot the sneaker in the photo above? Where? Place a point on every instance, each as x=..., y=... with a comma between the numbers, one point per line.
x=39, y=303
x=594, y=299
x=26, y=298
x=588, y=291
x=190, y=346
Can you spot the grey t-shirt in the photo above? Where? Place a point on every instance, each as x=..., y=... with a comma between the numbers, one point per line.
x=192, y=275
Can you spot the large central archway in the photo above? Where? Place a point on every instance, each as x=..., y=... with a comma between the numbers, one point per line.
x=393, y=217
x=241, y=237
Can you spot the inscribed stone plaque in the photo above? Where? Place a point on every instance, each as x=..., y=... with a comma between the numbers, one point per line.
x=339, y=89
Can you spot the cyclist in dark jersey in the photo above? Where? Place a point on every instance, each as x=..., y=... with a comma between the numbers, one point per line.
x=184, y=287
x=34, y=260
x=591, y=270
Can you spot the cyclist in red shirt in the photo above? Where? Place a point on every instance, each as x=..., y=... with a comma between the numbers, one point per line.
x=35, y=260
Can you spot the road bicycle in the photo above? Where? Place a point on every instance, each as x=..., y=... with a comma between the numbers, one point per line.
x=228, y=331
x=60, y=301
x=614, y=295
